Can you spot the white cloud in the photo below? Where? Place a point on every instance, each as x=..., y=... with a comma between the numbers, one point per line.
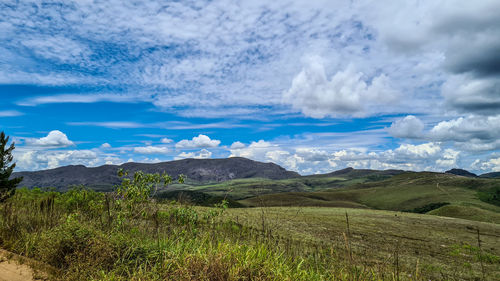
x=202, y=154
x=198, y=142
x=410, y=151
x=54, y=139
x=255, y=150
x=166, y=140
x=112, y=125
x=311, y=160
x=151, y=150
x=312, y=155
x=492, y=164
x=470, y=132
x=58, y=48
x=449, y=159
x=237, y=145
x=345, y=94
x=40, y=159
x=105, y=145
x=80, y=98
x=10, y=113
x=408, y=127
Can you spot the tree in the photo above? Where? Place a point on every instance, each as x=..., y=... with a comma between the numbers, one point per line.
x=7, y=186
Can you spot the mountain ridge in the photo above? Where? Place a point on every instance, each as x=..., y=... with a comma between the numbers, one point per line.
x=201, y=170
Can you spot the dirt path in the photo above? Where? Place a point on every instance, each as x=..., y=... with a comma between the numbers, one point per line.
x=12, y=270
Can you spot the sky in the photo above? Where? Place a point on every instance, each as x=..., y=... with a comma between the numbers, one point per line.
x=314, y=86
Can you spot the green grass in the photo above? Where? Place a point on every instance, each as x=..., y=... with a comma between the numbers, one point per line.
x=401, y=192
x=468, y=213
x=299, y=235
x=376, y=235
x=87, y=235
x=239, y=189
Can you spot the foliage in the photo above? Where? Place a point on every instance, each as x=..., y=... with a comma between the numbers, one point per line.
x=427, y=208
x=128, y=235
x=491, y=195
x=7, y=186
x=196, y=198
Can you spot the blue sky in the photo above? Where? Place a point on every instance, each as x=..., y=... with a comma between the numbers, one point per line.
x=313, y=86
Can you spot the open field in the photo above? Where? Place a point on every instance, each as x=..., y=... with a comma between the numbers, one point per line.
x=404, y=192
x=359, y=225
x=439, y=245
x=86, y=235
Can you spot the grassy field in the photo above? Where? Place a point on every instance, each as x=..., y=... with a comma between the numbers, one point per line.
x=443, y=248
x=128, y=235
x=251, y=187
x=404, y=192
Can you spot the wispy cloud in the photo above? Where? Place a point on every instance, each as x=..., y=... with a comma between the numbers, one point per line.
x=79, y=98
x=171, y=125
x=111, y=125
x=10, y=113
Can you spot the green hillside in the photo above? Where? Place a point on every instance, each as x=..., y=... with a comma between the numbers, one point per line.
x=246, y=188
x=403, y=192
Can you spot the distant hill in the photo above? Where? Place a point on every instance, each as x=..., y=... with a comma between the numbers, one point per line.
x=461, y=172
x=198, y=170
x=357, y=173
x=435, y=193
x=492, y=175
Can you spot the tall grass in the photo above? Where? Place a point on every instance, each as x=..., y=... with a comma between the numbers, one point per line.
x=88, y=235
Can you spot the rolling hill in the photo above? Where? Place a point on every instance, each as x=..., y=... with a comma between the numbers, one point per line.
x=455, y=193
x=435, y=193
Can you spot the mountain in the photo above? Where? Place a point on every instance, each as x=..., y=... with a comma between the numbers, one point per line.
x=492, y=175
x=461, y=172
x=197, y=170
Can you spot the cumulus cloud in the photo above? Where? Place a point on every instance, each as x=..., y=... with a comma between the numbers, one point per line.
x=105, y=145
x=237, y=145
x=311, y=154
x=166, y=140
x=470, y=132
x=202, y=154
x=449, y=158
x=54, y=139
x=310, y=160
x=151, y=149
x=41, y=159
x=255, y=150
x=198, y=142
x=492, y=164
x=406, y=151
x=408, y=127
x=346, y=93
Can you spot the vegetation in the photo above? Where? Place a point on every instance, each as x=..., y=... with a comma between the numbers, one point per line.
x=427, y=208
x=7, y=185
x=403, y=192
x=491, y=195
x=138, y=233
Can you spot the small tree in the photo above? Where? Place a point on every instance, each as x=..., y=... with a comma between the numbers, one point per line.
x=7, y=186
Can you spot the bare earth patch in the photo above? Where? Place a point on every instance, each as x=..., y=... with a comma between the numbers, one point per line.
x=13, y=269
